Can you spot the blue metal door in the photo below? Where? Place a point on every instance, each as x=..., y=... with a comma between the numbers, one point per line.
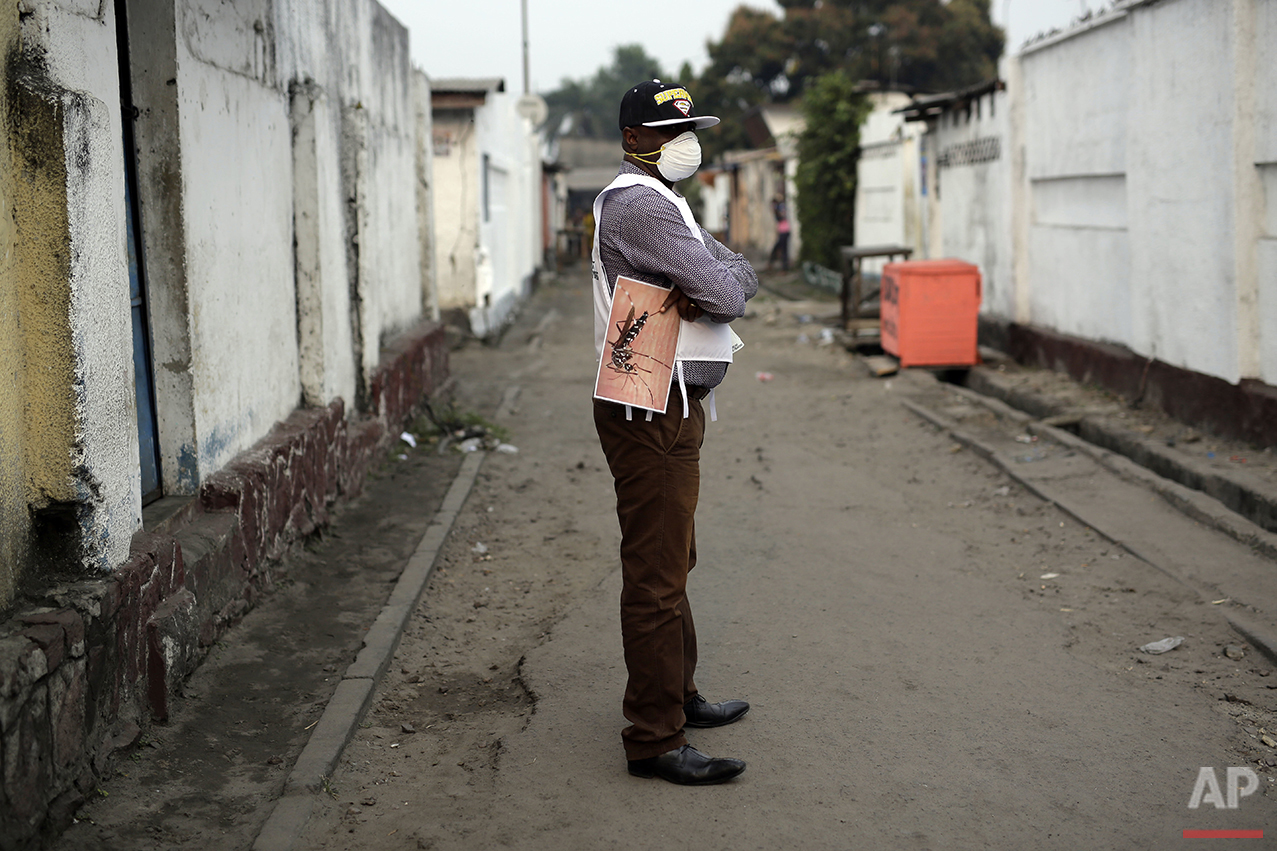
x=143, y=379
x=148, y=446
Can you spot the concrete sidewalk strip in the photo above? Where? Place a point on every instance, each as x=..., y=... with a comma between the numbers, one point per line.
x=1241, y=493
x=354, y=693
x=280, y=831
x=330, y=735
x=1195, y=504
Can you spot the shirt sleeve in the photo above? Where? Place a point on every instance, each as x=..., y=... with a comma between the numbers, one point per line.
x=654, y=238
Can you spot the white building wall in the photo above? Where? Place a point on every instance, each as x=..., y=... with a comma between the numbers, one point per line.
x=388, y=246
x=1265, y=105
x=242, y=206
x=236, y=165
x=1179, y=183
x=424, y=189
x=972, y=162
x=506, y=256
x=78, y=43
x=456, y=206
x=1075, y=141
x=251, y=135
x=487, y=209
x=1134, y=201
x=888, y=179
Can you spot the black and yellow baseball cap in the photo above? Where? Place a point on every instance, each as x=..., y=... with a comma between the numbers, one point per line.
x=656, y=104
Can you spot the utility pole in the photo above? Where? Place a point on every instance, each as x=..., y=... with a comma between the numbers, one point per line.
x=527, y=85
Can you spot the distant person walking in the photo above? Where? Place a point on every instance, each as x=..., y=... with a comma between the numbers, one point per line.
x=781, y=248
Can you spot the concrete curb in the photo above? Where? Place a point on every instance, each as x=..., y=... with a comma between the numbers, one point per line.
x=1202, y=506
x=1242, y=494
x=354, y=693
x=1193, y=503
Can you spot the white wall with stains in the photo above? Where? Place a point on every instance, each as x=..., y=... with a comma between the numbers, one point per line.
x=278, y=182
x=71, y=45
x=487, y=208
x=888, y=179
x=969, y=158
x=240, y=68
x=1134, y=201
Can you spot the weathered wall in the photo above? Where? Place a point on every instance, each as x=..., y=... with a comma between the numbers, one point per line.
x=1076, y=131
x=15, y=522
x=307, y=105
x=1264, y=97
x=487, y=181
x=236, y=171
x=425, y=187
x=456, y=203
x=69, y=454
x=1132, y=201
x=381, y=128
x=1180, y=186
x=757, y=176
x=325, y=353
x=971, y=161
x=508, y=221
x=888, y=185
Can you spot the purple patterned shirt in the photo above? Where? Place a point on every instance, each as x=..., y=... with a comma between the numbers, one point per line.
x=643, y=236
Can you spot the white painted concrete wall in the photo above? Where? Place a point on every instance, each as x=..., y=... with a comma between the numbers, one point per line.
x=77, y=38
x=457, y=167
x=1265, y=137
x=428, y=259
x=507, y=255
x=236, y=167
x=285, y=109
x=1134, y=200
x=487, y=209
x=888, y=179
x=241, y=193
x=972, y=161
x=1076, y=131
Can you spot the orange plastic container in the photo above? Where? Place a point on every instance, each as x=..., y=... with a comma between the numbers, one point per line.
x=929, y=310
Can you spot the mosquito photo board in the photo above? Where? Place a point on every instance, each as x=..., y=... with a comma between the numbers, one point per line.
x=637, y=365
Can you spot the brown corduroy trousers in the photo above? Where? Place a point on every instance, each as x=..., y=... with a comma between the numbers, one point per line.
x=656, y=467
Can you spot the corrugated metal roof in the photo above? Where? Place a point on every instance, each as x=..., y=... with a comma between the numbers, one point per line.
x=920, y=109
x=468, y=84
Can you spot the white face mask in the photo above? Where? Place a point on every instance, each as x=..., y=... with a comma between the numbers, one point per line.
x=679, y=158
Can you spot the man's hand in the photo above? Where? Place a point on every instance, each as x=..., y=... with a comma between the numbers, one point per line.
x=687, y=309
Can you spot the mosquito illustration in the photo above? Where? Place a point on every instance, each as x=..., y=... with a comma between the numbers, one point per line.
x=624, y=352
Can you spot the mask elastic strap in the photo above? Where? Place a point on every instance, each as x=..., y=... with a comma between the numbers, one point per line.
x=682, y=385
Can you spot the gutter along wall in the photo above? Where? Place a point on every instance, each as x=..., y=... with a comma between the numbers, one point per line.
x=282, y=251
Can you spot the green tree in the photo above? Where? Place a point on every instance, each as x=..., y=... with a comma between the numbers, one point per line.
x=834, y=109
x=590, y=107
x=927, y=45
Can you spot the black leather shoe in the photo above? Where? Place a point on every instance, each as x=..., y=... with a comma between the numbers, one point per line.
x=687, y=766
x=701, y=713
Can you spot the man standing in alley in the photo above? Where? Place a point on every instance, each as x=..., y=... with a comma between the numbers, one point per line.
x=646, y=231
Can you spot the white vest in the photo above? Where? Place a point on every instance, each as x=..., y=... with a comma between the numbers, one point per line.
x=702, y=340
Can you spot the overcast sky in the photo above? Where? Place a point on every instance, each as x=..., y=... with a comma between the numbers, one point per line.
x=573, y=38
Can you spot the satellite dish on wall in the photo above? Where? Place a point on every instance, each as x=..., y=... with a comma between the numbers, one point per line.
x=533, y=108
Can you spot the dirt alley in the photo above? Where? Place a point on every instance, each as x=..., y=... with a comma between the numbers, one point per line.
x=884, y=598
x=876, y=592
